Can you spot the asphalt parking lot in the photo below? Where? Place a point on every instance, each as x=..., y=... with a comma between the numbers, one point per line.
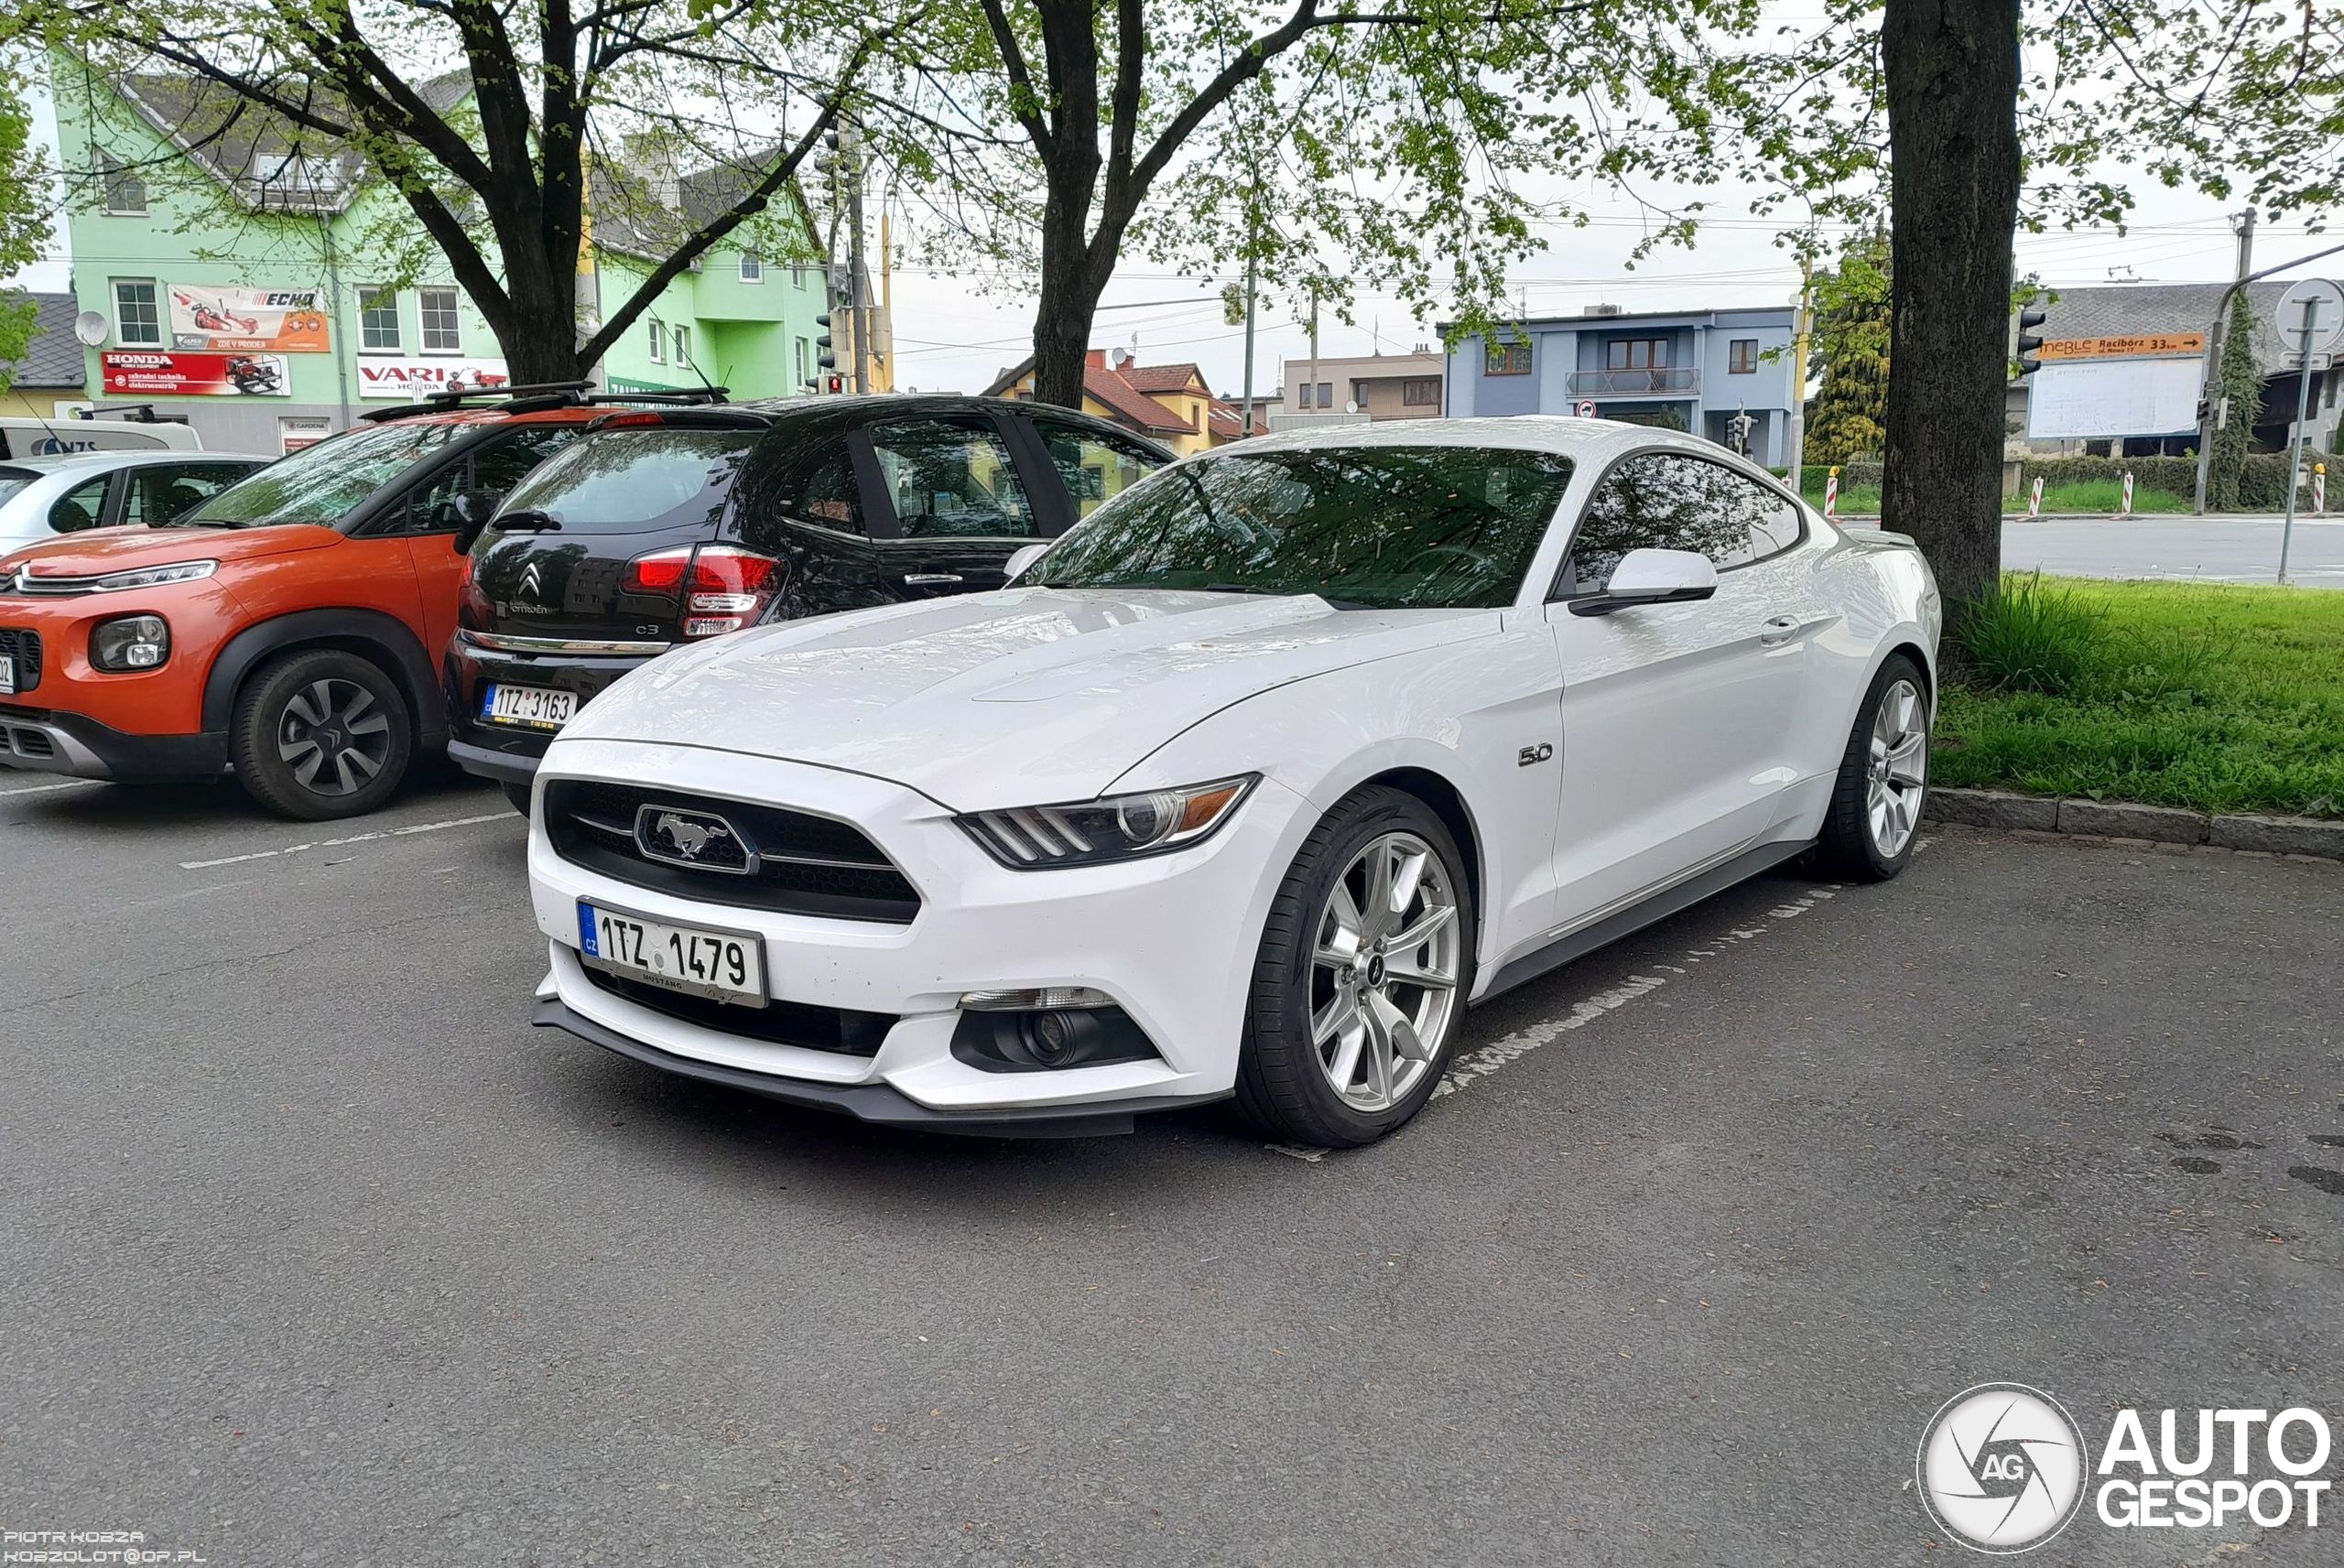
x=312, y=1251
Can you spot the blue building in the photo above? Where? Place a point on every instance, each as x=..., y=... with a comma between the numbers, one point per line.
x=1688, y=370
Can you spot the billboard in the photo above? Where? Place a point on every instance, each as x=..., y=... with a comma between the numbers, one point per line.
x=2101, y=400
x=154, y=373
x=248, y=320
x=405, y=378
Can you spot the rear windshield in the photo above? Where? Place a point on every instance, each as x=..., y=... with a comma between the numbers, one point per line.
x=324, y=483
x=626, y=481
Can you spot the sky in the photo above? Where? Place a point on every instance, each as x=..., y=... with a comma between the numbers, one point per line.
x=953, y=336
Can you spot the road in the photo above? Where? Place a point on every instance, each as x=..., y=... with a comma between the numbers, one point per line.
x=314, y=1253
x=2196, y=550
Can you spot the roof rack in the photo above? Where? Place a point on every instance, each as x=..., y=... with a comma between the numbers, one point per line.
x=687, y=396
x=510, y=399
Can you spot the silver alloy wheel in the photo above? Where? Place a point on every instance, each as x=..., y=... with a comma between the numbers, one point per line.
x=333, y=737
x=1384, y=972
x=1899, y=768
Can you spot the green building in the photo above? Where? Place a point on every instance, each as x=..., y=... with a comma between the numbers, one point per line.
x=237, y=274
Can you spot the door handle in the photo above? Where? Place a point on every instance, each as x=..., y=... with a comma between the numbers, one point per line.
x=1780, y=629
x=930, y=580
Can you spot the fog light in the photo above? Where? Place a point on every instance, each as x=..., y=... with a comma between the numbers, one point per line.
x=132, y=643
x=1035, y=1000
x=1059, y=1038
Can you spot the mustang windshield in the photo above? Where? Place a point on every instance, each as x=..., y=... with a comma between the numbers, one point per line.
x=320, y=484
x=1378, y=528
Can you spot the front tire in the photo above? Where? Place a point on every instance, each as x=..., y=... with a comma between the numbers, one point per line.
x=1875, y=816
x=321, y=733
x=1365, y=963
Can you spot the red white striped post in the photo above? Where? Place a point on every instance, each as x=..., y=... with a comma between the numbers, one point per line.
x=2127, y=512
x=2319, y=489
x=1831, y=493
x=2035, y=499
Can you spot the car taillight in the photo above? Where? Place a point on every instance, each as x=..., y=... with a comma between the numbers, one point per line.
x=722, y=587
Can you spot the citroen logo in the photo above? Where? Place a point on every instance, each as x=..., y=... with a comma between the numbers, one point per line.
x=699, y=839
x=530, y=582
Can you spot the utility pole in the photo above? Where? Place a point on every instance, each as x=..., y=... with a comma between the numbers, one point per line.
x=1315, y=403
x=1253, y=277
x=1794, y=442
x=858, y=277
x=2214, y=418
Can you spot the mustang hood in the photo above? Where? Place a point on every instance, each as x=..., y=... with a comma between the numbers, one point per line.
x=124, y=549
x=1016, y=697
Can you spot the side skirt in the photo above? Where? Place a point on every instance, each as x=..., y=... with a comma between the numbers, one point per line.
x=1658, y=907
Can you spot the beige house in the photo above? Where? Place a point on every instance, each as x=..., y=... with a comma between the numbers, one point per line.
x=1375, y=386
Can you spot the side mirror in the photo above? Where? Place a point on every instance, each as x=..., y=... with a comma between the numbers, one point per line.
x=1023, y=556
x=1652, y=577
x=464, y=514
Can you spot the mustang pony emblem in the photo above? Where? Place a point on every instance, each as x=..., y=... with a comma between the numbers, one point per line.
x=700, y=840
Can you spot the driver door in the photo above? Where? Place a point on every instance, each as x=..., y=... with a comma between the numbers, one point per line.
x=1677, y=717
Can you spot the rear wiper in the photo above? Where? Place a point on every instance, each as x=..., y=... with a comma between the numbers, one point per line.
x=526, y=522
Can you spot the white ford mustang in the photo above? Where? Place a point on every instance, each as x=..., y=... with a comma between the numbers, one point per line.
x=1250, y=785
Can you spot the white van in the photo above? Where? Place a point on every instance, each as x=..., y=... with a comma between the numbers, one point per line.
x=22, y=438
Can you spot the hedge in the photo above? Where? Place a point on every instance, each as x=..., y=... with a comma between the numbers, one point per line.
x=2262, y=488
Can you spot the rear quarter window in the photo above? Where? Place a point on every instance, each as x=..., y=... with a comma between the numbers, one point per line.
x=625, y=481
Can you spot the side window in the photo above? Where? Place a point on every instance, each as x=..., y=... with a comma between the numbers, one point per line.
x=951, y=478
x=1095, y=467
x=798, y=478
x=79, y=508
x=492, y=470
x=1658, y=501
x=161, y=492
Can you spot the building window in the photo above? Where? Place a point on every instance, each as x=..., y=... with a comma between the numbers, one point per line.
x=1326, y=395
x=805, y=362
x=752, y=267
x=1741, y=357
x=658, y=344
x=1420, y=392
x=683, y=344
x=1302, y=395
x=1507, y=358
x=378, y=321
x=135, y=317
x=442, y=334
x=124, y=192
x=1637, y=353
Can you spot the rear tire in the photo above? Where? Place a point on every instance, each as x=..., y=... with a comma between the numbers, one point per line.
x=1361, y=982
x=321, y=733
x=515, y=795
x=1875, y=817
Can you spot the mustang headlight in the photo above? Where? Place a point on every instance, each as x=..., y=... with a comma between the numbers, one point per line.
x=1118, y=827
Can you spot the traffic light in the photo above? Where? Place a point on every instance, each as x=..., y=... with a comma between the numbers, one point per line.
x=825, y=348
x=2028, y=343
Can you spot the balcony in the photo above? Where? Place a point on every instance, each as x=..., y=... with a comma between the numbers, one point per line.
x=1658, y=381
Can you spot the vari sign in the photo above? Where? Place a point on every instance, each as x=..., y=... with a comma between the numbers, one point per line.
x=405, y=378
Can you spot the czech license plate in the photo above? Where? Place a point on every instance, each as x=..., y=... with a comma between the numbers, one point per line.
x=8, y=672
x=722, y=966
x=537, y=707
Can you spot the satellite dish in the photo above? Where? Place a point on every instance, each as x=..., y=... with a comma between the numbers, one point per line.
x=91, y=327
x=1351, y=406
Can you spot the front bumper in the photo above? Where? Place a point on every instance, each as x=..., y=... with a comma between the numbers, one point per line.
x=48, y=741
x=1172, y=939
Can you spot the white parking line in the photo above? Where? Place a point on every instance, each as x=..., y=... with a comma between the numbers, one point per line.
x=42, y=789
x=352, y=838
x=1474, y=1066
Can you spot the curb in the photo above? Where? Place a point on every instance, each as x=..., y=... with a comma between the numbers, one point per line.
x=2252, y=835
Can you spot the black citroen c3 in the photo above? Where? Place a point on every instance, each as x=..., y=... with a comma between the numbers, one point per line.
x=666, y=526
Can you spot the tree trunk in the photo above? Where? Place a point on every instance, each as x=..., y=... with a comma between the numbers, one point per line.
x=1953, y=82
x=1071, y=284
x=540, y=342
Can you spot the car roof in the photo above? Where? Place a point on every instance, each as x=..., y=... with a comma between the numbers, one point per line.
x=58, y=462
x=1587, y=441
